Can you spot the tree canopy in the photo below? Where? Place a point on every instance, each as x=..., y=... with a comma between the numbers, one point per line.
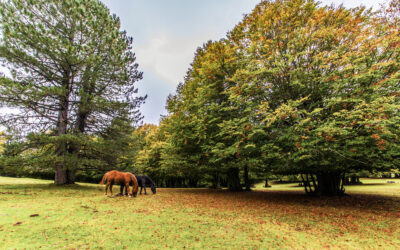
x=294, y=88
x=72, y=72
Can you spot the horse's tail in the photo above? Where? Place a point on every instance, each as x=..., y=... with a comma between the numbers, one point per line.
x=104, y=179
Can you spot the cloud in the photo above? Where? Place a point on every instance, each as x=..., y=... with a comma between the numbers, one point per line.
x=167, y=56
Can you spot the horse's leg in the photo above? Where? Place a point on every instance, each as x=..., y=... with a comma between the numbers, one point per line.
x=121, y=190
x=111, y=189
x=145, y=190
x=105, y=190
x=127, y=188
x=141, y=188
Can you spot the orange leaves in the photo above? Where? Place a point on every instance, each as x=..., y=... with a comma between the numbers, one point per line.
x=381, y=147
x=375, y=136
x=248, y=127
x=332, y=78
x=298, y=146
x=329, y=138
x=380, y=142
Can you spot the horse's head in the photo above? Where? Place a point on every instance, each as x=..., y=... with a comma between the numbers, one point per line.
x=153, y=188
x=134, y=190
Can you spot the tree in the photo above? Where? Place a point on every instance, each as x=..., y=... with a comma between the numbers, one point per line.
x=296, y=88
x=72, y=71
x=327, y=74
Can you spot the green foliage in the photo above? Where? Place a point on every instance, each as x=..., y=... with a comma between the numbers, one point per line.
x=72, y=73
x=295, y=88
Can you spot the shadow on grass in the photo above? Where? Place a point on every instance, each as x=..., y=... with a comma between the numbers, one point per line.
x=49, y=187
x=350, y=185
x=298, y=198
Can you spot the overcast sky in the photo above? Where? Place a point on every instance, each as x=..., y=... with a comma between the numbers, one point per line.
x=166, y=34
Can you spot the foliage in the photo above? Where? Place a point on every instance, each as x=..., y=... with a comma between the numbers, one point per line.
x=72, y=73
x=295, y=88
x=99, y=153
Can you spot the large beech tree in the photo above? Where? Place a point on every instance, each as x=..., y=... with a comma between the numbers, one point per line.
x=72, y=71
x=329, y=78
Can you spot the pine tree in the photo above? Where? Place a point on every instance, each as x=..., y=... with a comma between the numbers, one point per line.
x=72, y=71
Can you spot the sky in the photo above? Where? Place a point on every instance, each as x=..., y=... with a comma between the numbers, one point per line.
x=166, y=34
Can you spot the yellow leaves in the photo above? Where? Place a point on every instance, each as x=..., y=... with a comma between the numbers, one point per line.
x=303, y=138
x=2, y=140
x=329, y=138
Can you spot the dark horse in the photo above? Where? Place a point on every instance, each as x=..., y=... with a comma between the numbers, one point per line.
x=120, y=178
x=143, y=181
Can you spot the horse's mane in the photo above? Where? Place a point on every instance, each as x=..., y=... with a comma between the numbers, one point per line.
x=147, y=178
x=152, y=182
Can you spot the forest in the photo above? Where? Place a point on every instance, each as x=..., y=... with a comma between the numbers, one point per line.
x=295, y=91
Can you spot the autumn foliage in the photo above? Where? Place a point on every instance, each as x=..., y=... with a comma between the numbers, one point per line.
x=294, y=88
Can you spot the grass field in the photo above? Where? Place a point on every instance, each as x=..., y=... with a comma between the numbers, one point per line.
x=80, y=216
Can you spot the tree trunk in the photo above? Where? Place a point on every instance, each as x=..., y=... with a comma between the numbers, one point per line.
x=234, y=180
x=330, y=184
x=63, y=175
x=215, y=180
x=325, y=183
x=266, y=183
x=192, y=182
x=247, y=183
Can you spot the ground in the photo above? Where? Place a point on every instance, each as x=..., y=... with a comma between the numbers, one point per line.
x=36, y=214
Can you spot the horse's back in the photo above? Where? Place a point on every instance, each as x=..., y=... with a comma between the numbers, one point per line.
x=144, y=180
x=115, y=177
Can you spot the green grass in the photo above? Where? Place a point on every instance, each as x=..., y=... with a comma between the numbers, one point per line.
x=80, y=216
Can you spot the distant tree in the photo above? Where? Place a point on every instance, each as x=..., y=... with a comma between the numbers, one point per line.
x=72, y=72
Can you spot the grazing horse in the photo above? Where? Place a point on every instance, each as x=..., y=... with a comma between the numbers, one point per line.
x=120, y=178
x=143, y=181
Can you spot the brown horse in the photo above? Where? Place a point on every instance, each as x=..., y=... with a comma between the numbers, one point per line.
x=120, y=178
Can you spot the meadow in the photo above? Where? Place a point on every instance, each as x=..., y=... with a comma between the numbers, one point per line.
x=37, y=214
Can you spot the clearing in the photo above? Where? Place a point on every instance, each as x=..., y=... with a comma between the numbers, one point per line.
x=36, y=213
